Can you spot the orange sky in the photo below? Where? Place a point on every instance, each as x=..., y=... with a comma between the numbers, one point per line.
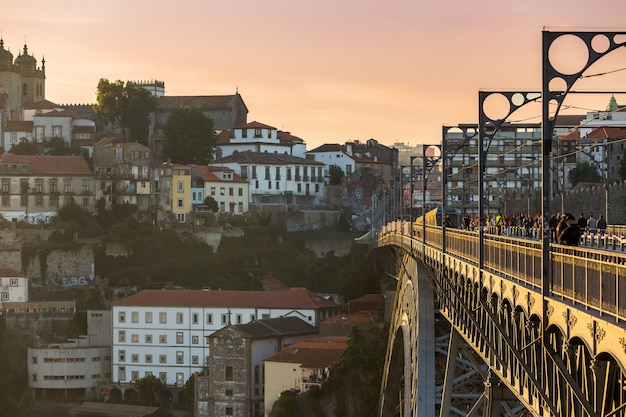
x=326, y=70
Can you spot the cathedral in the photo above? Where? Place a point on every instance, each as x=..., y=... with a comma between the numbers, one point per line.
x=21, y=83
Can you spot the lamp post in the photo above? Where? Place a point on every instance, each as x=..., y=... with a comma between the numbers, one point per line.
x=411, y=191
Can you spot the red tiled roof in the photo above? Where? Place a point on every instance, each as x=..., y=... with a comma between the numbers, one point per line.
x=224, y=137
x=320, y=352
x=266, y=158
x=328, y=147
x=19, y=126
x=207, y=173
x=51, y=165
x=39, y=105
x=10, y=273
x=575, y=135
x=607, y=133
x=291, y=298
x=61, y=113
x=288, y=137
x=255, y=125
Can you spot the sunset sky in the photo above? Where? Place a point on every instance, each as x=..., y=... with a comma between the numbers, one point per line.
x=328, y=71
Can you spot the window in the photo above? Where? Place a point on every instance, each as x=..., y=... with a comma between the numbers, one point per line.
x=238, y=318
x=230, y=191
x=229, y=411
x=134, y=338
x=212, y=191
x=240, y=192
x=67, y=186
x=209, y=318
x=121, y=373
x=240, y=207
x=195, y=318
x=5, y=201
x=163, y=377
x=53, y=186
x=134, y=358
x=39, y=133
x=222, y=191
x=121, y=355
x=6, y=186
x=148, y=316
x=179, y=318
x=254, y=172
x=39, y=186
x=134, y=317
x=194, y=360
x=148, y=358
x=180, y=358
x=179, y=338
x=38, y=200
x=148, y=338
x=180, y=379
x=163, y=339
x=134, y=375
x=257, y=133
x=194, y=340
x=244, y=172
x=252, y=317
x=57, y=131
x=267, y=173
x=228, y=393
x=121, y=336
x=180, y=203
x=13, y=282
x=121, y=317
x=224, y=318
x=162, y=317
x=288, y=174
x=228, y=373
x=162, y=359
x=180, y=186
x=86, y=187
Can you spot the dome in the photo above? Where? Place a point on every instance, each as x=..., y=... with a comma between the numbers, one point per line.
x=6, y=57
x=25, y=61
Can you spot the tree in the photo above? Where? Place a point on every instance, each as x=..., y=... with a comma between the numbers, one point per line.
x=336, y=174
x=189, y=136
x=24, y=148
x=584, y=172
x=148, y=386
x=211, y=204
x=127, y=105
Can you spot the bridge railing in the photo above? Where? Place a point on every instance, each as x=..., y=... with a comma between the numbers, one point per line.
x=592, y=279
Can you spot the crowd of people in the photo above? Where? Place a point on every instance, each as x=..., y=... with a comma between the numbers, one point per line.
x=564, y=227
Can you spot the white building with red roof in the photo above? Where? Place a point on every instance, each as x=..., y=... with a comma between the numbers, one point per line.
x=34, y=187
x=229, y=190
x=13, y=287
x=302, y=365
x=277, y=178
x=259, y=137
x=165, y=333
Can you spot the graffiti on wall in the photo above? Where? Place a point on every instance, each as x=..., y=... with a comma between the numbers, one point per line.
x=73, y=281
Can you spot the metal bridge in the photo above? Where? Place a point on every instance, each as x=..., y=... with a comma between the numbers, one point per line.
x=510, y=350
x=493, y=325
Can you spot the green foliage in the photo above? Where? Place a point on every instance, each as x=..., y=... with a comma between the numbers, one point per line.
x=148, y=386
x=286, y=405
x=584, y=172
x=72, y=212
x=127, y=105
x=24, y=148
x=336, y=174
x=189, y=136
x=211, y=204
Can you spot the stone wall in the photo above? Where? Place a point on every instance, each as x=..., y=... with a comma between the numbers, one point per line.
x=63, y=267
x=322, y=247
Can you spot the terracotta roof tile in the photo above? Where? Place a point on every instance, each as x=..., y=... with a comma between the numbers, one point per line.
x=208, y=174
x=61, y=113
x=51, y=165
x=19, y=126
x=264, y=158
x=39, y=105
x=320, y=352
x=276, y=327
x=291, y=298
x=255, y=125
x=12, y=273
x=606, y=133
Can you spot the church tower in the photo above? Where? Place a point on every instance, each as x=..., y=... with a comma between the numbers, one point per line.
x=21, y=81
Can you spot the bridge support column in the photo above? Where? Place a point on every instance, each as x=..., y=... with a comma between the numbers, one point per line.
x=448, y=382
x=496, y=395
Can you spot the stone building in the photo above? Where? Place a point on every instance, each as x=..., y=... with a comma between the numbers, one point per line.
x=235, y=374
